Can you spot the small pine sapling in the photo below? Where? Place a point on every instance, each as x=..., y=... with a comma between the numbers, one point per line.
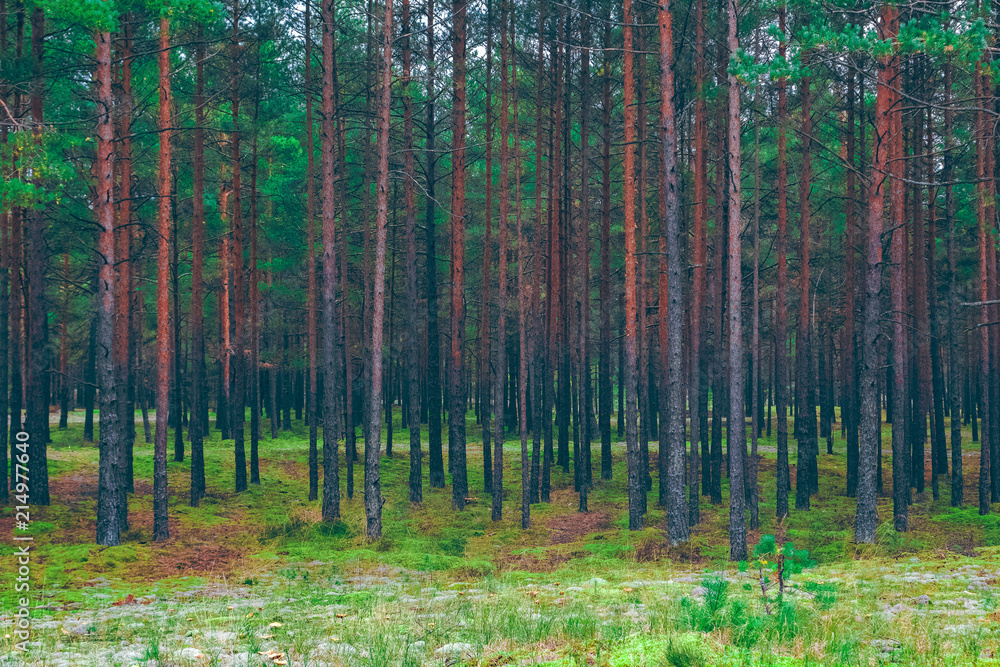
x=777, y=558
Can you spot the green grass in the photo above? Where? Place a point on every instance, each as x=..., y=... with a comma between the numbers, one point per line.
x=272, y=533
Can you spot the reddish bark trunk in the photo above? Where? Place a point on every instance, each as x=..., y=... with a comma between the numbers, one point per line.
x=373, y=489
x=635, y=479
x=163, y=332
x=672, y=299
x=109, y=507
x=870, y=423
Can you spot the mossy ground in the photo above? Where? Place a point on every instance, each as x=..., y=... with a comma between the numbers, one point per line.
x=272, y=528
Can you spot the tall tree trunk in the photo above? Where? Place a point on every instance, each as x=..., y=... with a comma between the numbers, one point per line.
x=523, y=299
x=586, y=398
x=954, y=362
x=984, y=314
x=331, y=414
x=373, y=489
x=109, y=506
x=411, y=382
x=199, y=385
x=939, y=455
x=456, y=412
x=921, y=399
x=64, y=349
x=5, y=250
x=642, y=276
x=755, y=402
x=177, y=381
x=699, y=259
x=678, y=528
x=737, y=414
x=483, y=382
x=501, y=345
x=900, y=443
x=37, y=412
x=5, y=218
x=869, y=426
x=315, y=410
x=434, y=445
x=549, y=347
x=254, y=295
x=223, y=415
x=605, y=391
x=133, y=333
x=238, y=340
x=631, y=342
x=718, y=284
x=16, y=262
x=805, y=421
x=163, y=333
x=850, y=407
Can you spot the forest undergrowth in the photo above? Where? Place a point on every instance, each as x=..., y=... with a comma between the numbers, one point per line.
x=257, y=578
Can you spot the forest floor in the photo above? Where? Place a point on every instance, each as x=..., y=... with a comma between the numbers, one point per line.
x=255, y=578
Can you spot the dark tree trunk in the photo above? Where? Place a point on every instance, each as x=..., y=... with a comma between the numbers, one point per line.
x=373, y=489
x=921, y=398
x=605, y=392
x=457, y=406
x=483, y=381
x=939, y=456
x=752, y=471
x=501, y=342
x=866, y=517
x=586, y=394
x=16, y=257
x=983, y=291
x=177, y=380
x=522, y=299
x=5, y=218
x=850, y=405
x=672, y=302
x=37, y=412
x=315, y=409
x=900, y=444
x=89, y=375
x=331, y=411
x=700, y=257
x=781, y=309
x=411, y=382
x=128, y=322
x=434, y=445
x=223, y=414
x=199, y=385
x=805, y=418
x=954, y=362
x=254, y=295
x=64, y=349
